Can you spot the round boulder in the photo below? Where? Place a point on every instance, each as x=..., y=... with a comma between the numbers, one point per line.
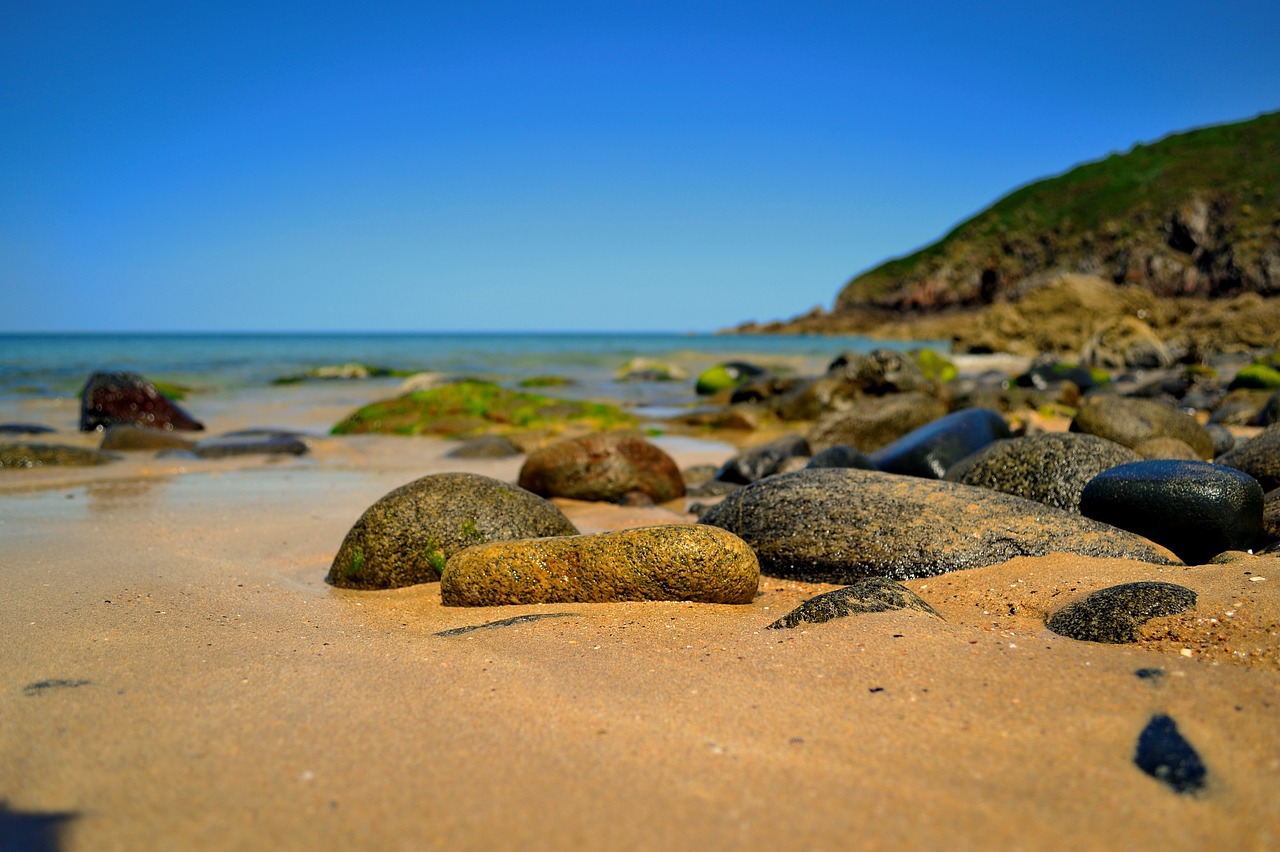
x=1194, y=508
x=603, y=466
x=671, y=562
x=1050, y=468
x=1259, y=457
x=1130, y=421
x=407, y=536
x=839, y=525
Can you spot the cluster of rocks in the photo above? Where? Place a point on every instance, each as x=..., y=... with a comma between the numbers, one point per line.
x=134, y=416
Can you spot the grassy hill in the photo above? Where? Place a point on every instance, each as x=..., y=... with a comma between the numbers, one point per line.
x=1194, y=214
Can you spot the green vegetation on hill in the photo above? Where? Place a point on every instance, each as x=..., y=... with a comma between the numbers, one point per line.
x=1196, y=213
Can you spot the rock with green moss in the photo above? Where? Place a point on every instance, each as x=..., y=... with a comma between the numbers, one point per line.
x=1257, y=376
x=722, y=377
x=470, y=408
x=407, y=536
x=672, y=562
x=546, y=382
x=934, y=366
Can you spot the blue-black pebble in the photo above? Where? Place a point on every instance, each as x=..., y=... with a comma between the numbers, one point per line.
x=931, y=449
x=1196, y=509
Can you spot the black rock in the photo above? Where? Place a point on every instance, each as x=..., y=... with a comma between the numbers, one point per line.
x=1050, y=468
x=51, y=455
x=1259, y=457
x=111, y=398
x=840, y=525
x=248, y=444
x=1046, y=374
x=1223, y=440
x=24, y=429
x=756, y=463
x=1113, y=615
x=930, y=450
x=874, y=594
x=841, y=455
x=1194, y=508
x=1165, y=755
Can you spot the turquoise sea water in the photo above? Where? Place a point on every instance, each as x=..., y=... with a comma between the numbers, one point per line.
x=57, y=365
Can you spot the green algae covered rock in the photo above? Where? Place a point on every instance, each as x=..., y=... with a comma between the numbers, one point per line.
x=672, y=562
x=407, y=536
x=470, y=408
x=722, y=377
x=1257, y=376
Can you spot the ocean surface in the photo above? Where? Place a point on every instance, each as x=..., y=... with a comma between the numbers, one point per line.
x=57, y=365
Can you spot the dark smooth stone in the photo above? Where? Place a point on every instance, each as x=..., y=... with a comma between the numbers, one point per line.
x=25, y=429
x=842, y=455
x=226, y=446
x=1223, y=440
x=758, y=462
x=126, y=436
x=1259, y=457
x=1194, y=508
x=1050, y=468
x=874, y=594
x=931, y=449
x=839, y=525
x=1046, y=375
x=1164, y=754
x=117, y=397
x=1113, y=615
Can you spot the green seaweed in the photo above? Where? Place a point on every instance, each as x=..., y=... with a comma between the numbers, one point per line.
x=357, y=562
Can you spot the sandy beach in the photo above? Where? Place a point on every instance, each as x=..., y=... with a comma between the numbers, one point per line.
x=177, y=674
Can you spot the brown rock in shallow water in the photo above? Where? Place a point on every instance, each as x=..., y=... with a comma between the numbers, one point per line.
x=672, y=562
x=111, y=398
x=604, y=466
x=840, y=525
x=408, y=535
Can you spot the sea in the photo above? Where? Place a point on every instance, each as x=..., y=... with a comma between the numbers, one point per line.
x=56, y=365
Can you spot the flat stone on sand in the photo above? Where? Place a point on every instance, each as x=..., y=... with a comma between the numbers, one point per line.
x=1113, y=615
x=874, y=594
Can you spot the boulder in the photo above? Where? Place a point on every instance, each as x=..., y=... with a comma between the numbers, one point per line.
x=603, y=466
x=407, y=536
x=485, y=447
x=51, y=455
x=1259, y=457
x=671, y=562
x=110, y=398
x=1194, y=508
x=933, y=448
x=127, y=436
x=840, y=525
x=1131, y=421
x=251, y=443
x=875, y=421
x=841, y=455
x=1050, y=468
x=722, y=377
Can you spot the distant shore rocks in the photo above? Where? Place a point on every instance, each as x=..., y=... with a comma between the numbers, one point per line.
x=604, y=466
x=111, y=398
x=407, y=536
x=840, y=525
x=671, y=562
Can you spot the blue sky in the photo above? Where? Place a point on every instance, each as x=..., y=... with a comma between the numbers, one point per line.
x=552, y=166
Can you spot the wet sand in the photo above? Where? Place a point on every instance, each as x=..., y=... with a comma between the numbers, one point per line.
x=177, y=675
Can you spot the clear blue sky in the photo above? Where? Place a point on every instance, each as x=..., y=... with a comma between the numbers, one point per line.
x=549, y=165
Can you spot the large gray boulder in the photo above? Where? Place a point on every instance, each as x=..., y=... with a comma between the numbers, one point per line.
x=839, y=525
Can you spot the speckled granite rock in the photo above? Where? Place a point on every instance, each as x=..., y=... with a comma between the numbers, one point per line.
x=676, y=562
x=1194, y=508
x=603, y=466
x=929, y=450
x=50, y=455
x=1130, y=421
x=1050, y=468
x=407, y=536
x=874, y=594
x=1259, y=457
x=840, y=525
x=1113, y=615
x=873, y=422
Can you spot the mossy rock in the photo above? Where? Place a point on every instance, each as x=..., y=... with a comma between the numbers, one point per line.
x=470, y=408
x=723, y=377
x=1257, y=376
x=546, y=382
x=172, y=391
x=934, y=365
x=406, y=537
x=350, y=370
